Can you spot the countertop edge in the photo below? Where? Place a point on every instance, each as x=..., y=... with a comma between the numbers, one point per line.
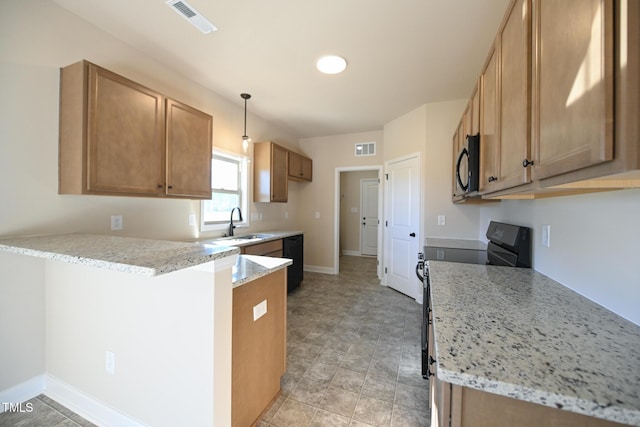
x=249, y=268
x=166, y=256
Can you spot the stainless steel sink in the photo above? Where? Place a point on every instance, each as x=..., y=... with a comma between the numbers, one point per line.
x=253, y=236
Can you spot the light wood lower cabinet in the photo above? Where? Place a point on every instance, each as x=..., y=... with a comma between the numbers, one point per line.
x=457, y=406
x=272, y=248
x=259, y=348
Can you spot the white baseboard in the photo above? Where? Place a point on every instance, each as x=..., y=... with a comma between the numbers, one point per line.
x=22, y=392
x=86, y=406
x=317, y=269
x=351, y=253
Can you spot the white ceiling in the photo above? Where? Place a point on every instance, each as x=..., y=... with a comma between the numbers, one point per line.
x=400, y=53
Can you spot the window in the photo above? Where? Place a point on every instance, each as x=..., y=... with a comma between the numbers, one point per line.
x=229, y=189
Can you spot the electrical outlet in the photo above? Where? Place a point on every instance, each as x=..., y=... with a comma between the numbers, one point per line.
x=442, y=220
x=317, y=215
x=192, y=220
x=116, y=222
x=259, y=310
x=110, y=362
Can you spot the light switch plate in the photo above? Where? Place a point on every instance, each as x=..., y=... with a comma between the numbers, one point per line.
x=546, y=235
x=442, y=220
x=110, y=362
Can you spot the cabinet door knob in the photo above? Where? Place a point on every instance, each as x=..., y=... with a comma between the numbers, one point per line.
x=527, y=162
x=412, y=234
x=160, y=185
x=170, y=187
x=492, y=179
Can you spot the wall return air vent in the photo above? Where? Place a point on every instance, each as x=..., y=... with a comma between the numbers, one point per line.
x=366, y=149
x=185, y=10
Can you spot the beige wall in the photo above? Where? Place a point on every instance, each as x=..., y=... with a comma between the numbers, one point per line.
x=328, y=154
x=461, y=219
x=428, y=130
x=350, y=221
x=29, y=67
x=594, y=243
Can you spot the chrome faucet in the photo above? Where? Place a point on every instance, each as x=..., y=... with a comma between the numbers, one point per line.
x=231, y=226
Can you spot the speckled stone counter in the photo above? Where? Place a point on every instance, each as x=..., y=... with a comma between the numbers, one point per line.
x=139, y=256
x=517, y=333
x=251, y=267
x=438, y=242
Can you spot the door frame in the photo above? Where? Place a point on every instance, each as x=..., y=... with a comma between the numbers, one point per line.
x=336, y=214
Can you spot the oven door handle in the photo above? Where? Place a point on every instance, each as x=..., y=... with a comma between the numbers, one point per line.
x=419, y=267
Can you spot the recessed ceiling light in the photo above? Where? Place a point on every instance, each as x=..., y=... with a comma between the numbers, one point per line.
x=331, y=64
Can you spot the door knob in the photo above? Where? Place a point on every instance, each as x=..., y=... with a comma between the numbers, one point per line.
x=412, y=234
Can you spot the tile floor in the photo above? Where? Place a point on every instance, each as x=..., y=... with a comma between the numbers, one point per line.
x=353, y=354
x=42, y=411
x=353, y=358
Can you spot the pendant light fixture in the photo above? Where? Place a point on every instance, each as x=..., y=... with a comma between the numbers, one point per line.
x=245, y=139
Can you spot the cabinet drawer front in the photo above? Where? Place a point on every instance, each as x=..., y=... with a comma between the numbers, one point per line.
x=264, y=248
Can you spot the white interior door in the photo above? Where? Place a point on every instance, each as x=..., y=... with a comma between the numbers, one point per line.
x=369, y=211
x=402, y=225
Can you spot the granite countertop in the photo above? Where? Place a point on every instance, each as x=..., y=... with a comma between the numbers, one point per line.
x=252, y=267
x=132, y=255
x=438, y=242
x=517, y=333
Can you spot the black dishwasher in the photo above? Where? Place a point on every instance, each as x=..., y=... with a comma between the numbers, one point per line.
x=293, y=248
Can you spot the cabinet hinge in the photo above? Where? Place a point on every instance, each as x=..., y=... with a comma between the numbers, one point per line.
x=386, y=176
x=385, y=270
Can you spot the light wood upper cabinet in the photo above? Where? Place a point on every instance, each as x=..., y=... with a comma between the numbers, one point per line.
x=506, y=103
x=188, y=137
x=572, y=86
x=489, y=124
x=113, y=139
x=514, y=121
x=300, y=167
x=270, y=174
x=584, y=99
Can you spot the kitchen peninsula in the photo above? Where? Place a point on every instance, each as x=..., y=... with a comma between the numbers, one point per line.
x=514, y=347
x=138, y=332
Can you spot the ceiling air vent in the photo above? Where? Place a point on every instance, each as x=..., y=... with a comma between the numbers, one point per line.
x=185, y=10
x=366, y=149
